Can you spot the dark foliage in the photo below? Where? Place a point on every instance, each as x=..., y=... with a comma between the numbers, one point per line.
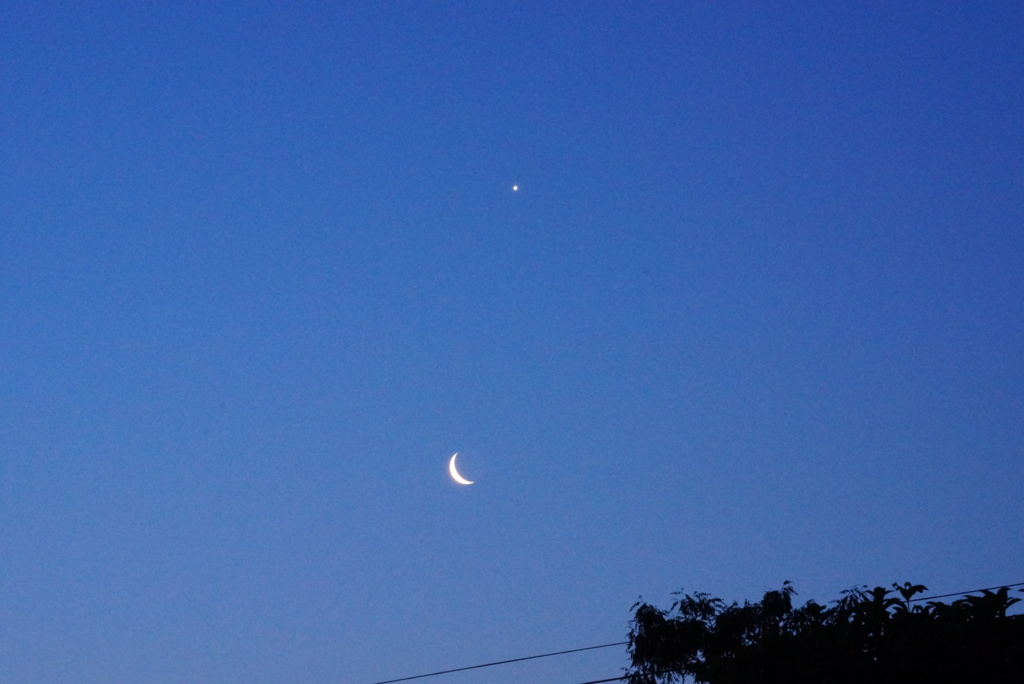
x=878, y=635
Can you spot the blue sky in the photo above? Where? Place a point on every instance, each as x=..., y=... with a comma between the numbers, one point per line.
x=755, y=314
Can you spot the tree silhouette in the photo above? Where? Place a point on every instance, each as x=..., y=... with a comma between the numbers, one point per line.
x=878, y=635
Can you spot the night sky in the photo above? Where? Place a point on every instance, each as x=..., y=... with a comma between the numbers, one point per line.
x=755, y=314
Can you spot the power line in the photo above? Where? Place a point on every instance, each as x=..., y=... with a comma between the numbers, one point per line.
x=623, y=643
x=961, y=593
x=504, y=662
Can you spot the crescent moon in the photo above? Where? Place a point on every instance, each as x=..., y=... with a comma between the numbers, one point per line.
x=455, y=473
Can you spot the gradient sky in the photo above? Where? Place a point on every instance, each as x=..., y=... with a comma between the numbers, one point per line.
x=755, y=314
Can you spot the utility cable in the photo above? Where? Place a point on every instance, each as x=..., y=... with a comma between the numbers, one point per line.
x=961, y=593
x=503, y=662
